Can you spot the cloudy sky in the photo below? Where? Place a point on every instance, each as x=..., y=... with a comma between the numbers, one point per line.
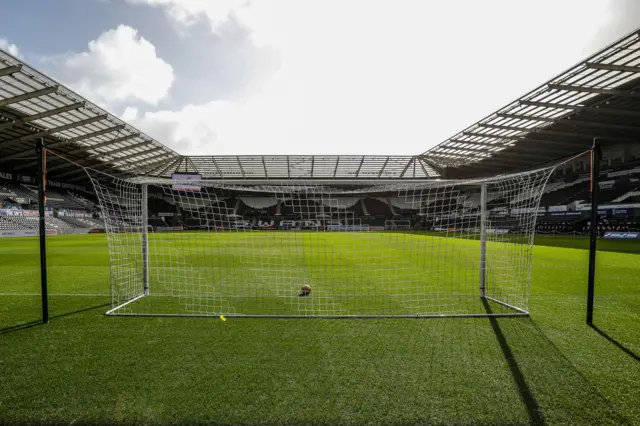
x=307, y=76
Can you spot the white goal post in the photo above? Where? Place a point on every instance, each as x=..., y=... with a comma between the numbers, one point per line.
x=468, y=254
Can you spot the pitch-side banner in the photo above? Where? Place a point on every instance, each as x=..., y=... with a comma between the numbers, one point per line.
x=25, y=233
x=19, y=212
x=622, y=235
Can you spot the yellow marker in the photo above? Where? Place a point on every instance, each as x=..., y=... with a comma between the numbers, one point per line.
x=222, y=318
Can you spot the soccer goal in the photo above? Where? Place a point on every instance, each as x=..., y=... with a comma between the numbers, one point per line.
x=317, y=257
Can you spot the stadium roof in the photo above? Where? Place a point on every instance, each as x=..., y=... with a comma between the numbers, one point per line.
x=311, y=167
x=34, y=106
x=599, y=97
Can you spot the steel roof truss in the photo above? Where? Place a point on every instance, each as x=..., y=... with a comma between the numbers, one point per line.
x=27, y=96
x=44, y=114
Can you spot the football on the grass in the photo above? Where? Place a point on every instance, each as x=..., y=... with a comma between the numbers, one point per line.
x=306, y=289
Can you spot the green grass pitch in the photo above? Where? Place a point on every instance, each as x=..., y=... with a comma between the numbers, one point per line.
x=87, y=368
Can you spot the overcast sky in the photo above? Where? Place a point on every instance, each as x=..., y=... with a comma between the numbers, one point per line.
x=307, y=77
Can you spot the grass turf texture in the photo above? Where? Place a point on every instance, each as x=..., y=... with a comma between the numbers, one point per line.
x=548, y=369
x=355, y=273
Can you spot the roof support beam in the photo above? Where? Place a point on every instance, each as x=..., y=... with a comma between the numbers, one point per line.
x=44, y=114
x=264, y=166
x=406, y=167
x=29, y=95
x=564, y=133
x=582, y=89
x=623, y=112
x=215, y=163
x=359, y=167
x=512, y=163
x=456, y=152
x=611, y=67
x=240, y=166
x=152, y=171
x=164, y=168
x=536, y=155
x=111, y=155
x=569, y=121
x=122, y=149
x=425, y=159
x=87, y=136
x=454, y=156
x=153, y=168
x=499, y=137
x=485, y=145
x=148, y=166
x=103, y=144
x=553, y=148
x=47, y=132
x=137, y=158
x=494, y=167
x=527, y=117
x=500, y=127
x=385, y=165
x=151, y=165
x=424, y=169
x=195, y=168
x=335, y=169
x=10, y=70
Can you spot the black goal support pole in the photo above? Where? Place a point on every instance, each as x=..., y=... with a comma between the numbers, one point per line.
x=596, y=155
x=41, y=178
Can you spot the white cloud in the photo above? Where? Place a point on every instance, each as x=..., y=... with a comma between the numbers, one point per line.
x=8, y=47
x=217, y=13
x=119, y=66
x=265, y=124
x=375, y=77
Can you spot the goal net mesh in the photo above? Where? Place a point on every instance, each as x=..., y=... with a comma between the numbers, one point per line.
x=442, y=248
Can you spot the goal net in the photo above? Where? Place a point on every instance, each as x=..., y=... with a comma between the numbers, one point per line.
x=308, y=249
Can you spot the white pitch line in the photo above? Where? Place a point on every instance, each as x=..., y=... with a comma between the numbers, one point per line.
x=56, y=294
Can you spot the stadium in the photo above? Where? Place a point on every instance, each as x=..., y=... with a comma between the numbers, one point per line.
x=443, y=287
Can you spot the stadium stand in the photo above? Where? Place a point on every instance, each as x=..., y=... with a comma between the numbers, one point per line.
x=378, y=208
x=16, y=193
x=555, y=120
x=30, y=222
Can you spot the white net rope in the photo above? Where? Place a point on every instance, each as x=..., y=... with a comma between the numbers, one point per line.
x=426, y=261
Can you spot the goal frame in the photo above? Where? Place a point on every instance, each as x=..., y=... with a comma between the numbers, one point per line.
x=145, y=182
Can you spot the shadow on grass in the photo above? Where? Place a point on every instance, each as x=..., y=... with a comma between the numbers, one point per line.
x=533, y=408
x=451, y=371
x=31, y=324
x=454, y=371
x=620, y=346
